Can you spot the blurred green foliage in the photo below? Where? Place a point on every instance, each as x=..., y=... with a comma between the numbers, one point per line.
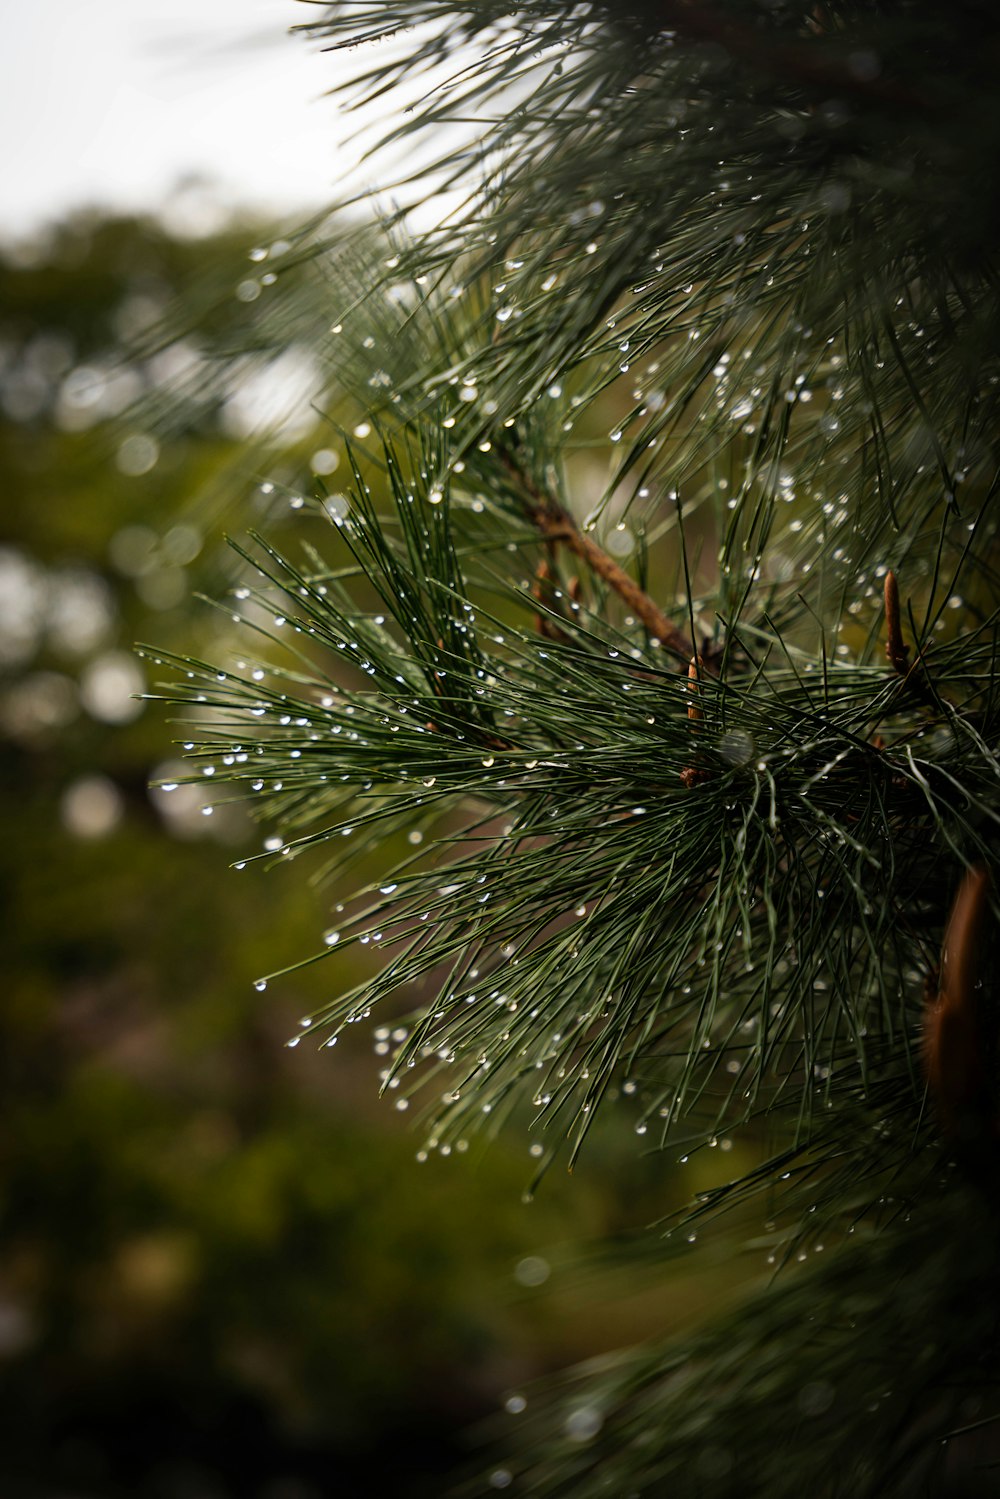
x=222, y=1272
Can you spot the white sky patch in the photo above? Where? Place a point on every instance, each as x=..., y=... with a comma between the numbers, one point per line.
x=112, y=103
x=190, y=108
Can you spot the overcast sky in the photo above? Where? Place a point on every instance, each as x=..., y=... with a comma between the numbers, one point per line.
x=112, y=102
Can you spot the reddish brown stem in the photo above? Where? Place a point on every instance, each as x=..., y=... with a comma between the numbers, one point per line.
x=960, y=1032
x=694, y=775
x=543, y=591
x=898, y=652
x=557, y=525
x=694, y=672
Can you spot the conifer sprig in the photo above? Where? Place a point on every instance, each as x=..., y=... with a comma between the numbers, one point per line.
x=747, y=247
x=729, y=940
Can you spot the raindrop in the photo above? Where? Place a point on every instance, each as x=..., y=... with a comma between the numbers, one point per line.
x=583, y=1423
x=532, y=1271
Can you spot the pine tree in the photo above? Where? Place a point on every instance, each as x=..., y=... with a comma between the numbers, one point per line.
x=698, y=771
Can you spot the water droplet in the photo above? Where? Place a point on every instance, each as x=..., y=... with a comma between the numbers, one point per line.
x=532, y=1270
x=737, y=747
x=583, y=1423
x=260, y=985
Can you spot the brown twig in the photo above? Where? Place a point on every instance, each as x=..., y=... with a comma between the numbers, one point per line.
x=961, y=1026
x=543, y=592
x=898, y=652
x=694, y=672
x=694, y=775
x=557, y=525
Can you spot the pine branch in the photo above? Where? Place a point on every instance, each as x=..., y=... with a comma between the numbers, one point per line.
x=579, y=750
x=712, y=886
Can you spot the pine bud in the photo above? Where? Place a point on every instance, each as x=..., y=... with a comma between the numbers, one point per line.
x=961, y=1027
